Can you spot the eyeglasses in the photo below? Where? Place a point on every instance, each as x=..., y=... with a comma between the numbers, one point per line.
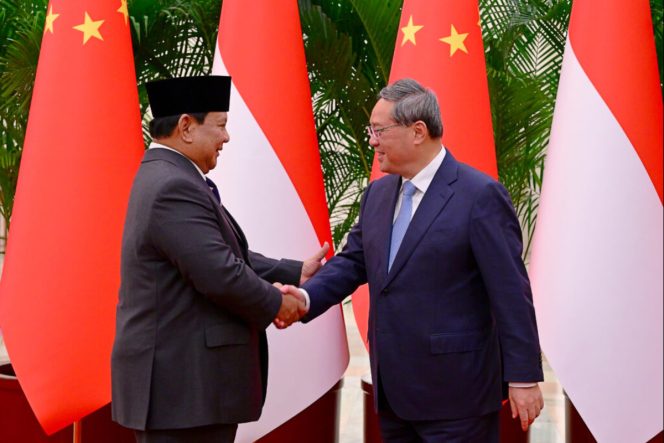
x=375, y=133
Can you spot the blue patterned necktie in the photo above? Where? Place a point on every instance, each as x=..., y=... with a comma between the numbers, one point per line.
x=403, y=220
x=214, y=189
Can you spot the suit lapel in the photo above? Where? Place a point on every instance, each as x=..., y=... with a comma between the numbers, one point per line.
x=381, y=217
x=432, y=204
x=236, y=242
x=236, y=230
x=230, y=231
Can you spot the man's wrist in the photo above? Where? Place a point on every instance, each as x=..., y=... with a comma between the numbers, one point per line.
x=307, y=300
x=514, y=384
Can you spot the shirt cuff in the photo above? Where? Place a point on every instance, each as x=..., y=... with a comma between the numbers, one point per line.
x=522, y=385
x=307, y=301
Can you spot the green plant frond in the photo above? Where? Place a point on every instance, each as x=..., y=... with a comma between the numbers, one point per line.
x=657, y=12
x=187, y=48
x=329, y=52
x=524, y=45
x=21, y=28
x=380, y=19
x=20, y=68
x=348, y=56
x=19, y=53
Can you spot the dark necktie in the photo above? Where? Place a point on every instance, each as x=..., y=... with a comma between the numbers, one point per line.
x=214, y=189
x=224, y=215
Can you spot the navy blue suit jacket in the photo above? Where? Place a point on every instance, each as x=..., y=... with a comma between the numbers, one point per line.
x=453, y=319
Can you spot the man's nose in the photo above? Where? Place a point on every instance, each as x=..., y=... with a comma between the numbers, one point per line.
x=373, y=141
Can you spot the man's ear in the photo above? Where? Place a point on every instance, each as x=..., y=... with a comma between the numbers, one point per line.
x=421, y=132
x=186, y=124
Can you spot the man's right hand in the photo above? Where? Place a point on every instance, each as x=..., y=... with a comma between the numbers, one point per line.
x=292, y=307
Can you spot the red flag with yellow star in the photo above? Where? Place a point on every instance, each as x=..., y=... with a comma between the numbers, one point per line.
x=439, y=44
x=61, y=274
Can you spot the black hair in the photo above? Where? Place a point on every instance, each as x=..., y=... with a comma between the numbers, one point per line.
x=164, y=126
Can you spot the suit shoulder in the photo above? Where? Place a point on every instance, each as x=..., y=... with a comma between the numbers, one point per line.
x=473, y=175
x=162, y=179
x=477, y=185
x=166, y=173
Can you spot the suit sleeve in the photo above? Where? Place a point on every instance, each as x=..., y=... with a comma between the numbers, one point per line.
x=284, y=271
x=185, y=228
x=341, y=275
x=496, y=242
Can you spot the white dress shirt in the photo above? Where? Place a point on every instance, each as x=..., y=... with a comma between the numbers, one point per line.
x=421, y=181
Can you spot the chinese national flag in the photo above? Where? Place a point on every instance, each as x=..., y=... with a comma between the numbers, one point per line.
x=439, y=44
x=597, y=259
x=61, y=273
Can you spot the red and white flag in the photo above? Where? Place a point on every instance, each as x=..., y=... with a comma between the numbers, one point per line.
x=270, y=179
x=61, y=274
x=596, y=265
x=439, y=44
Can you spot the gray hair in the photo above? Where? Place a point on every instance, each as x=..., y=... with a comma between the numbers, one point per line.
x=414, y=102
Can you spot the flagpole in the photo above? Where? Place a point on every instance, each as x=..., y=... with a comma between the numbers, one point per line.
x=77, y=431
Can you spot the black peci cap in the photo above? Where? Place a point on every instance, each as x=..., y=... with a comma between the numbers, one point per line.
x=188, y=95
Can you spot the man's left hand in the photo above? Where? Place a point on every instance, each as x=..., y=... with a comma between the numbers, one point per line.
x=526, y=403
x=313, y=263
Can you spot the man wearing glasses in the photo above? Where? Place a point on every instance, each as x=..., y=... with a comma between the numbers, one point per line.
x=451, y=319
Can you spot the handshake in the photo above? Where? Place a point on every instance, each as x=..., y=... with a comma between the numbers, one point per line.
x=293, y=306
x=293, y=302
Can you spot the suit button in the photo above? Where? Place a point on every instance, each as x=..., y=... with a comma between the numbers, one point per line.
x=386, y=290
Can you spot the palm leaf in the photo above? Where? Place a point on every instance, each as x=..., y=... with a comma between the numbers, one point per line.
x=524, y=43
x=349, y=47
x=21, y=28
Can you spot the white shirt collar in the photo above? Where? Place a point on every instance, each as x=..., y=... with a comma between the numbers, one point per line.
x=423, y=179
x=160, y=146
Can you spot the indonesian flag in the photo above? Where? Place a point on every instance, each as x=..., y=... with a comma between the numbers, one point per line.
x=439, y=44
x=61, y=275
x=597, y=255
x=271, y=180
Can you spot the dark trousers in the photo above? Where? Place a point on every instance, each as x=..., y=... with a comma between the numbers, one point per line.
x=393, y=429
x=203, y=434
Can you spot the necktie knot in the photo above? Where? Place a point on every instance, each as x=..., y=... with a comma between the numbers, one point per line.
x=409, y=189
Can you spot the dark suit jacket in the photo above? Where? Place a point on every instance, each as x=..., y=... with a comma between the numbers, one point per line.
x=457, y=292
x=190, y=346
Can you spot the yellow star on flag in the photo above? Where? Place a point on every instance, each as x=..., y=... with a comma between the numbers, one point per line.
x=124, y=10
x=455, y=40
x=90, y=28
x=50, y=18
x=409, y=32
